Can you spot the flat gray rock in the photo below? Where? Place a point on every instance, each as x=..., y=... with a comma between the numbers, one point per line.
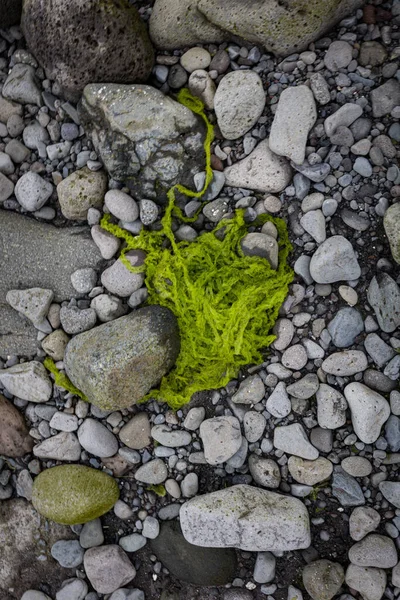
x=369, y=411
x=374, y=551
x=385, y=97
x=34, y=254
x=345, y=327
x=247, y=518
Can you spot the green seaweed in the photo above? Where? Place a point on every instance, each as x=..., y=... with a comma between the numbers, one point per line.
x=226, y=303
x=61, y=379
x=159, y=490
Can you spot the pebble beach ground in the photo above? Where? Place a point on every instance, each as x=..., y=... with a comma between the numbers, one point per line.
x=284, y=483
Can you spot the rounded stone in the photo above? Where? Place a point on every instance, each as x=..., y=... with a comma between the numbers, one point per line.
x=32, y=191
x=108, y=568
x=15, y=440
x=136, y=433
x=121, y=205
x=323, y=579
x=295, y=357
x=195, y=58
x=310, y=472
x=73, y=494
x=238, y=103
x=96, y=439
x=80, y=191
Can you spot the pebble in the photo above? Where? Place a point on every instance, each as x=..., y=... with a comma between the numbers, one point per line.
x=32, y=191
x=284, y=331
x=74, y=320
x=171, y=438
x=251, y=391
x=344, y=116
x=194, y=418
x=259, y=244
x=64, y=422
x=345, y=327
x=121, y=205
x=264, y=568
x=195, y=58
x=132, y=542
x=108, y=568
x=28, y=381
x=202, y=86
x=346, y=363
x=305, y=387
x=293, y=440
x=385, y=97
x=238, y=103
x=379, y=351
x=346, y=489
x=374, y=551
x=278, y=403
x=148, y=211
x=369, y=581
x=384, y=297
x=320, y=88
x=108, y=307
x=190, y=485
x=33, y=303
x=362, y=166
x=68, y=553
x=106, y=242
x=96, y=439
x=84, y=280
x=391, y=491
x=73, y=589
x=253, y=425
x=314, y=223
x=334, y=260
x=338, y=56
x=309, y=472
x=295, y=116
x=348, y=294
x=221, y=438
x=369, y=411
x=136, y=433
x=152, y=473
x=261, y=171
x=264, y=471
x=63, y=446
x=357, y=466
x=91, y=534
x=118, y=280
x=323, y=579
x=363, y=520
x=151, y=528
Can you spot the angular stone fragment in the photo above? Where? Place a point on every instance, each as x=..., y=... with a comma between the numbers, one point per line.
x=108, y=568
x=293, y=440
x=117, y=363
x=221, y=438
x=261, y=171
x=33, y=303
x=247, y=518
x=293, y=120
x=369, y=411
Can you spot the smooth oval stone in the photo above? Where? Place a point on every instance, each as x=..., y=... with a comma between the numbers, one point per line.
x=72, y=494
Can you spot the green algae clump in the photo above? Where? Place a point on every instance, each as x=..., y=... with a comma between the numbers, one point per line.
x=73, y=494
x=226, y=303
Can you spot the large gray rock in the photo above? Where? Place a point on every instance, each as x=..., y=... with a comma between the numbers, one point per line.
x=10, y=12
x=391, y=223
x=144, y=138
x=248, y=518
x=193, y=564
x=281, y=27
x=34, y=254
x=117, y=363
x=81, y=42
x=176, y=23
x=25, y=560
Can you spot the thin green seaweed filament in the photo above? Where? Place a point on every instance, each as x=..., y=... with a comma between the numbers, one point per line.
x=226, y=303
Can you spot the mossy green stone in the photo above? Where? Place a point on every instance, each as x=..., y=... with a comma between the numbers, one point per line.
x=73, y=494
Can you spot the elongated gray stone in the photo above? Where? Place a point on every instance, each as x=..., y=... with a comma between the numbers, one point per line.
x=248, y=518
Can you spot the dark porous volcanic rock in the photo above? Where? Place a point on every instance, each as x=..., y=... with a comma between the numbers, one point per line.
x=10, y=12
x=15, y=440
x=145, y=139
x=117, y=363
x=78, y=42
x=193, y=564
